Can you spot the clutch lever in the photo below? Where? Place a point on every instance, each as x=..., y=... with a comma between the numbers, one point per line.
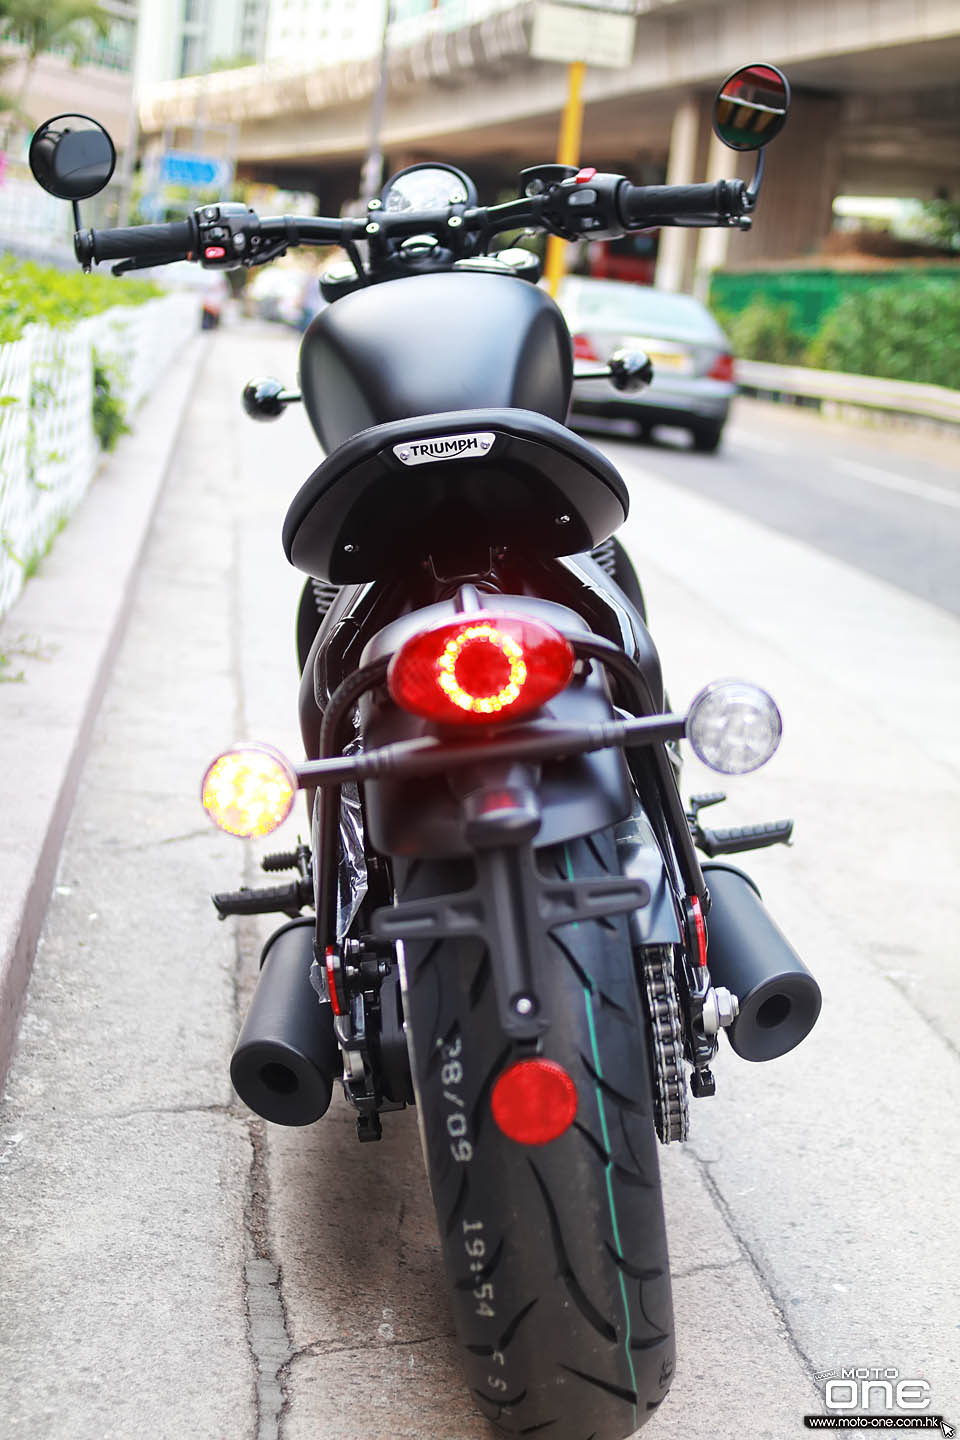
x=143, y=262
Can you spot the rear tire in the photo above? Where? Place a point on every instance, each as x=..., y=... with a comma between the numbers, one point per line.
x=556, y=1255
x=706, y=438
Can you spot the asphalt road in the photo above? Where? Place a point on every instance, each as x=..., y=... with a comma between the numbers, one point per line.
x=173, y=1266
x=883, y=499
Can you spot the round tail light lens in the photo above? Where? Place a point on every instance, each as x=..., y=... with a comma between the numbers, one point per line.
x=480, y=669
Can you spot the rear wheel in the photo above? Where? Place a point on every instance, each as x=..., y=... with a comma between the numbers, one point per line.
x=556, y=1254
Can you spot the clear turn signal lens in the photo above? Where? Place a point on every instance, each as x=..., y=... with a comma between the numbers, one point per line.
x=733, y=726
x=248, y=791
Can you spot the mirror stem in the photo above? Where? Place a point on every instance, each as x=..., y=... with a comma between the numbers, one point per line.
x=76, y=215
x=753, y=188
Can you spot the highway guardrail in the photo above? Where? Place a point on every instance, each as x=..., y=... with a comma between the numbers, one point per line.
x=865, y=392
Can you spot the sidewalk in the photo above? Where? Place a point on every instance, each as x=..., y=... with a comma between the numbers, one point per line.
x=62, y=635
x=174, y=1267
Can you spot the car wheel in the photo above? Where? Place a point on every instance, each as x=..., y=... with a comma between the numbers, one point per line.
x=706, y=437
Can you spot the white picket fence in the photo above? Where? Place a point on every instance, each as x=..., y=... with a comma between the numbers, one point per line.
x=49, y=451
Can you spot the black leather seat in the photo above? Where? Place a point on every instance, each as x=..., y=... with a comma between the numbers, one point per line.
x=536, y=485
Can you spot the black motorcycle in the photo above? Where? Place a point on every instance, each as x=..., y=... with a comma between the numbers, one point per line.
x=511, y=920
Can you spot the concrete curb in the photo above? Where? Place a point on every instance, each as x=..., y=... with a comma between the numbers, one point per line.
x=62, y=634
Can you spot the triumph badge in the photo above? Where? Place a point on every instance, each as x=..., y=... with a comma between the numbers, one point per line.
x=444, y=447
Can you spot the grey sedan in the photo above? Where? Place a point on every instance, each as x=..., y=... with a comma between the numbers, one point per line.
x=693, y=368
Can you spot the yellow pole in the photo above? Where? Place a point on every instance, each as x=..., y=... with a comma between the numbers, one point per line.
x=568, y=153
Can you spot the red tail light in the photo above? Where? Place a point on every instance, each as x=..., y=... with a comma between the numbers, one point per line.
x=480, y=669
x=534, y=1101
x=583, y=350
x=722, y=368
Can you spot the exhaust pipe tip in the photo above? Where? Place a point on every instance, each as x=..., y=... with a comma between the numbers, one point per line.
x=748, y=953
x=775, y=1016
x=286, y=1058
x=278, y=1083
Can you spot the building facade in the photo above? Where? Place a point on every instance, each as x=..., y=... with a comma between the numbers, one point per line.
x=314, y=33
x=189, y=37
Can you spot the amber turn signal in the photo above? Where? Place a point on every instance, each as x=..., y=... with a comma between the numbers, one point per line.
x=248, y=791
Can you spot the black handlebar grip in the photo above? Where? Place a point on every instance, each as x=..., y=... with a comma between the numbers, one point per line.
x=136, y=241
x=641, y=205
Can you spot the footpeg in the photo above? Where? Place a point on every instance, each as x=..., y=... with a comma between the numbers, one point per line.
x=738, y=837
x=700, y=802
x=271, y=900
x=742, y=837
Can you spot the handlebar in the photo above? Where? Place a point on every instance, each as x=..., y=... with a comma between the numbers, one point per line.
x=586, y=204
x=177, y=241
x=647, y=205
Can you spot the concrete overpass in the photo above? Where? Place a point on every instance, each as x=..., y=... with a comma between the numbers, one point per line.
x=876, y=111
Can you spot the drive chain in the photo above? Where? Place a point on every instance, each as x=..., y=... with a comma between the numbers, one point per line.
x=671, y=1112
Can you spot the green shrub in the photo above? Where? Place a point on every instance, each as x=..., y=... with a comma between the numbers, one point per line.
x=899, y=333
x=766, y=331
x=109, y=411
x=38, y=294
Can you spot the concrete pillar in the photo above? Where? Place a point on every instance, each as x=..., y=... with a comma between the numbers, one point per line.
x=713, y=244
x=689, y=141
x=795, y=209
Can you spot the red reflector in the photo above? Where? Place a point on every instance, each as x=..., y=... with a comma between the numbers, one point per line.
x=534, y=1101
x=583, y=350
x=480, y=669
x=701, y=930
x=722, y=368
x=331, y=970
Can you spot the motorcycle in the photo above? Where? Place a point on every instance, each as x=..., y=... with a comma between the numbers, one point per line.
x=511, y=927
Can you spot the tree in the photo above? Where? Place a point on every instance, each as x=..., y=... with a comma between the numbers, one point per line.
x=42, y=25
x=5, y=62
x=943, y=221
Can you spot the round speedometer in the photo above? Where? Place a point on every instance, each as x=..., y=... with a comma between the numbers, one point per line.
x=427, y=187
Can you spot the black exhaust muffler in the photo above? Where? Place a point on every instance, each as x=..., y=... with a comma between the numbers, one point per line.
x=286, y=1057
x=746, y=952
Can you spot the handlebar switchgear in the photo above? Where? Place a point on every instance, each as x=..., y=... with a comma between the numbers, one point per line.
x=229, y=235
x=584, y=206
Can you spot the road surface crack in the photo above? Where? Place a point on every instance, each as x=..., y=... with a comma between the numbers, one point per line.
x=707, y=1265
x=333, y=1347
x=267, y=1332
x=780, y=1315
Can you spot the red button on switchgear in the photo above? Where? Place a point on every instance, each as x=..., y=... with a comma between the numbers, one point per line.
x=214, y=252
x=582, y=176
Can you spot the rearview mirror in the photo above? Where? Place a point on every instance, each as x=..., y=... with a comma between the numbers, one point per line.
x=751, y=107
x=72, y=157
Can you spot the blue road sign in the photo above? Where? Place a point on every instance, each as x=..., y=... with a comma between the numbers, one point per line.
x=199, y=172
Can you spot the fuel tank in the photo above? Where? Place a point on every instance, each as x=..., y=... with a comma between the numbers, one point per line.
x=429, y=343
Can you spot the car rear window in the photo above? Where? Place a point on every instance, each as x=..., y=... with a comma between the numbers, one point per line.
x=633, y=306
